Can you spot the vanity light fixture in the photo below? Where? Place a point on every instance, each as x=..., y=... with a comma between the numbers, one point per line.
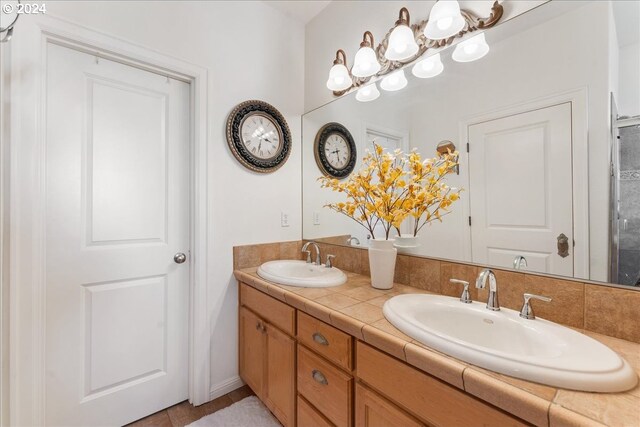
x=339, y=77
x=366, y=62
x=368, y=93
x=405, y=44
x=428, y=67
x=445, y=20
x=394, y=81
x=471, y=49
x=402, y=41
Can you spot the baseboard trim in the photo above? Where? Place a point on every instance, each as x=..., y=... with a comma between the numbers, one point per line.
x=224, y=387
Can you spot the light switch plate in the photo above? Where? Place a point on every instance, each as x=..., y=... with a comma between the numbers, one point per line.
x=316, y=218
x=284, y=219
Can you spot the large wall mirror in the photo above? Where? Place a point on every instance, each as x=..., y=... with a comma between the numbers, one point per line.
x=551, y=116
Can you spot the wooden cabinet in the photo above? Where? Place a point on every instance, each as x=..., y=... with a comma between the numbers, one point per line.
x=325, y=386
x=252, y=351
x=426, y=397
x=279, y=385
x=267, y=354
x=308, y=416
x=373, y=410
x=327, y=341
x=308, y=381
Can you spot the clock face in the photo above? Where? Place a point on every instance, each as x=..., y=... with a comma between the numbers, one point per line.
x=337, y=151
x=260, y=136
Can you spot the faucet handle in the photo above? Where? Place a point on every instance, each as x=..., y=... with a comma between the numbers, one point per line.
x=308, y=256
x=527, y=310
x=465, y=297
x=329, y=258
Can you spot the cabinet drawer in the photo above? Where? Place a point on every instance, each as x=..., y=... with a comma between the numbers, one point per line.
x=426, y=397
x=309, y=417
x=325, y=340
x=325, y=387
x=373, y=410
x=273, y=311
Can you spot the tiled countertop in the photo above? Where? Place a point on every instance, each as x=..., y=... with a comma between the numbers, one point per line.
x=356, y=308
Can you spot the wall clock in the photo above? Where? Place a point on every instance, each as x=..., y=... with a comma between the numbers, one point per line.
x=335, y=150
x=258, y=136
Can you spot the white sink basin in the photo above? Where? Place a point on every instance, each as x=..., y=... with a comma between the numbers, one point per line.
x=501, y=341
x=299, y=273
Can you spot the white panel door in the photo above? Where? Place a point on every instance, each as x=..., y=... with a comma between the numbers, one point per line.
x=117, y=160
x=520, y=183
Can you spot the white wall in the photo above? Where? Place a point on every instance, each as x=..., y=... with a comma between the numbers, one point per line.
x=342, y=23
x=252, y=51
x=628, y=83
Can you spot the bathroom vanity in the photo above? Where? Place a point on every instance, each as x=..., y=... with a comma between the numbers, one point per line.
x=327, y=357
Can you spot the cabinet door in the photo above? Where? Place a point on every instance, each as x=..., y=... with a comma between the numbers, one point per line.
x=373, y=410
x=252, y=351
x=280, y=389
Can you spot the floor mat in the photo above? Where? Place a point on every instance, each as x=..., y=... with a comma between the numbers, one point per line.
x=249, y=412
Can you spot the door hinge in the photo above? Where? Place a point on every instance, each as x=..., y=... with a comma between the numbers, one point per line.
x=467, y=147
x=469, y=221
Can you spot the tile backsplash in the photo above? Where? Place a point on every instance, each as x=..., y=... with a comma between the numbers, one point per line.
x=603, y=309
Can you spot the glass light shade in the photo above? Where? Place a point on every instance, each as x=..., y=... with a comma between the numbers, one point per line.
x=471, y=49
x=339, y=78
x=428, y=67
x=402, y=44
x=368, y=93
x=366, y=63
x=394, y=81
x=445, y=20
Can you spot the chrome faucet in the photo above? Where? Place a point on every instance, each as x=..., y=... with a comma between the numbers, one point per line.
x=353, y=239
x=519, y=262
x=526, y=312
x=329, y=262
x=308, y=252
x=481, y=283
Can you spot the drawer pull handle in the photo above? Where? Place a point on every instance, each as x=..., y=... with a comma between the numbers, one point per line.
x=319, y=377
x=320, y=339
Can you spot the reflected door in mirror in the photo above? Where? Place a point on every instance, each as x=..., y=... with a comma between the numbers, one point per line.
x=521, y=189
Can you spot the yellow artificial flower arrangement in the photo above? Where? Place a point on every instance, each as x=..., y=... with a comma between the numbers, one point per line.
x=392, y=187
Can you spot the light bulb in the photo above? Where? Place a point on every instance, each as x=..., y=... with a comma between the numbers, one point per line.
x=444, y=23
x=471, y=49
x=368, y=93
x=395, y=81
x=402, y=44
x=339, y=78
x=445, y=20
x=428, y=67
x=365, y=63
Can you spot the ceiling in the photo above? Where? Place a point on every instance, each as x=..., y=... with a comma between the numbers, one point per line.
x=627, y=16
x=302, y=11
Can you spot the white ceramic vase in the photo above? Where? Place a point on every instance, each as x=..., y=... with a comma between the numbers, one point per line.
x=406, y=243
x=382, y=263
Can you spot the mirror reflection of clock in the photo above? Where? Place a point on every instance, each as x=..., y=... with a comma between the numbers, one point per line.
x=337, y=151
x=260, y=136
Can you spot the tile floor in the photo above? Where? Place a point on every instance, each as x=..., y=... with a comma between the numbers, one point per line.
x=184, y=413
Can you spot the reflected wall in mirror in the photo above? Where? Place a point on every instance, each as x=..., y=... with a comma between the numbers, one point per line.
x=552, y=170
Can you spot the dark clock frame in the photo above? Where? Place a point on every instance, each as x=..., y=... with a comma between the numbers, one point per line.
x=234, y=124
x=318, y=149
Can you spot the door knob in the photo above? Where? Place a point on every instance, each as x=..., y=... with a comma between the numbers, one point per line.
x=179, y=258
x=563, y=245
